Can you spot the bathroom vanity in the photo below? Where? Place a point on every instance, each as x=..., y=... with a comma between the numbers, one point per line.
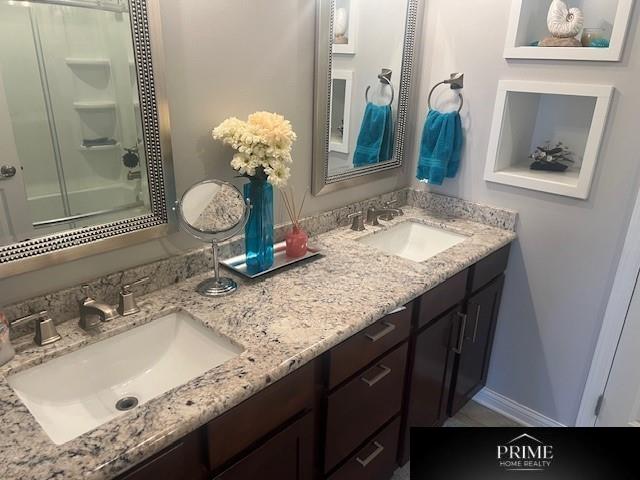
x=326, y=365
x=347, y=414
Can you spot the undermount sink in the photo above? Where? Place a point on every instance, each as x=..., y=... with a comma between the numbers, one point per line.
x=78, y=392
x=414, y=241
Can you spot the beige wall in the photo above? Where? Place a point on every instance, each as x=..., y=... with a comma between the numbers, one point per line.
x=223, y=58
x=562, y=268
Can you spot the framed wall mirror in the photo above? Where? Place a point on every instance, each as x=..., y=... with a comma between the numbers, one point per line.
x=364, y=63
x=85, y=162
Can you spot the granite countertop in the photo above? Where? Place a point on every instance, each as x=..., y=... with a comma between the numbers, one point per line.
x=283, y=321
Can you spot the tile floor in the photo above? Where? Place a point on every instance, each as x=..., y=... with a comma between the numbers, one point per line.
x=472, y=415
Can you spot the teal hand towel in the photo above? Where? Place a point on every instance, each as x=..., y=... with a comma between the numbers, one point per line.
x=375, y=141
x=441, y=147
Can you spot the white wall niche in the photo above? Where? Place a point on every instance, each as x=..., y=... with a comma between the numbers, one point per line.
x=528, y=23
x=350, y=6
x=341, y=95
x=528, y=114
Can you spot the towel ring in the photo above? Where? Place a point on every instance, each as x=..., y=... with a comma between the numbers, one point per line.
x=385, y=79
x=456, y=82
x=393, y=93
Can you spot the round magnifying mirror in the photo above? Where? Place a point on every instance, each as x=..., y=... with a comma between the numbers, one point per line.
x=213, y=211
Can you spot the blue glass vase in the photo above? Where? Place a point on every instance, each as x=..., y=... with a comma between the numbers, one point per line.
x=258, y=238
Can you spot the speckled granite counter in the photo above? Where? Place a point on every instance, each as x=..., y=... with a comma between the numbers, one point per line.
x=283, y=321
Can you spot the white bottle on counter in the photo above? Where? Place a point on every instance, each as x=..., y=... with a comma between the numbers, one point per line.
x=6, y=349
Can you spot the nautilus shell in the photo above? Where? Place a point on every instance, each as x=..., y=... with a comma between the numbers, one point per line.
x=564, y=22
x=341, y=21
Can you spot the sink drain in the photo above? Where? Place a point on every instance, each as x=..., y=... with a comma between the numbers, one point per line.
x=126, y=403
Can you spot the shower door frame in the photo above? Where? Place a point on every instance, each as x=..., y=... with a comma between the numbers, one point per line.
x=71, y=245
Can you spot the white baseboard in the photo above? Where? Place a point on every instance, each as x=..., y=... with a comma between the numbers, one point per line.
x=513, y=410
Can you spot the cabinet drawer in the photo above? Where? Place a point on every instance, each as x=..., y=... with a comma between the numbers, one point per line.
x=376, y=460
x=181, y=461
x=359, y=408
x=287, y=456
x=258, y=416
x=489, y=268
x=442, y=298
x=357, y=352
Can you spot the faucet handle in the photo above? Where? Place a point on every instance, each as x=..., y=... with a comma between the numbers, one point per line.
x=46, y=332
x=127, y=289
x=357, y=224
x=127, y=304
x=392, y=204
x=86, y=294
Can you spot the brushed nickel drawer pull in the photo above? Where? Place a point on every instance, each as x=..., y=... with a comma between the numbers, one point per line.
x=475, y=328
x=385, y=371
x=463, y=327
x=389, y=327
x=398, y=310
x=379, y=449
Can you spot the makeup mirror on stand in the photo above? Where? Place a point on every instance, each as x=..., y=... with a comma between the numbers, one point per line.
x=213, y=211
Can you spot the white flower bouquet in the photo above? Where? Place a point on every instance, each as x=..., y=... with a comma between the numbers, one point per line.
x=263, y=144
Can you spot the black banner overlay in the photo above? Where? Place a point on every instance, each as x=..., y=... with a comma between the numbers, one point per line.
x=525, y=453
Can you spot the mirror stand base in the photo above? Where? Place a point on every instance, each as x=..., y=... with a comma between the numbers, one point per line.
x=217, y=287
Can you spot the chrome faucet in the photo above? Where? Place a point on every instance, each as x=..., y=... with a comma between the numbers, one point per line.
x=374, y=215
x=92, y=313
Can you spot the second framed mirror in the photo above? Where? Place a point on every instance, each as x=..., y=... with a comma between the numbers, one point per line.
x=364, y=64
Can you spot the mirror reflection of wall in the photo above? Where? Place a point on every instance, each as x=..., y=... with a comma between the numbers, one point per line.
x=70, y=116
x=368, y=37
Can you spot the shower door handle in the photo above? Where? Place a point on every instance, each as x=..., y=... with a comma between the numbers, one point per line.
x=7, y=171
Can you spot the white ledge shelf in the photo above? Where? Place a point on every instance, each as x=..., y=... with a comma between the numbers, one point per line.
x=95, y=105
x=88, y=62
x=528, y=24
x=100, y=148
x=529, y=114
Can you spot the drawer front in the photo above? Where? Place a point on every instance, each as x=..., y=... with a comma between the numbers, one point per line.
x=357, y=352
x=181, y=461
x=489, y=268
x=376, y=460
x=442, y=298
x=359, y=408
x=258, y=416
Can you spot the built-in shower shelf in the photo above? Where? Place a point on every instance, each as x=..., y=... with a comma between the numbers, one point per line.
x=100, y=148
x=95, y=105
x=88, y=62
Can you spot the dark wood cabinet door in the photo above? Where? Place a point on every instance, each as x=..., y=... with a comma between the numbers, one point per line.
x=287, y=456
x=472, y=364
x=428, y=390
x=183, y=460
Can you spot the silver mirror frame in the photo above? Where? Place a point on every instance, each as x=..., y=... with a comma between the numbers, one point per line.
x=217, y=286
x=74, y=244
x=322, y=183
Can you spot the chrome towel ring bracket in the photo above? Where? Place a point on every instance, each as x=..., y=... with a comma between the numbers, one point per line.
x=385, y=79
x=456, y=82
